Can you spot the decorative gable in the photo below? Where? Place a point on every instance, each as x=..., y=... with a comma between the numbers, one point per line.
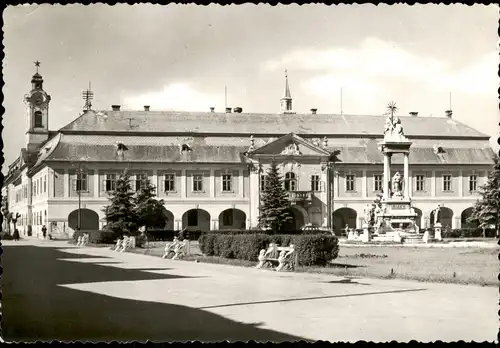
x=290, y=145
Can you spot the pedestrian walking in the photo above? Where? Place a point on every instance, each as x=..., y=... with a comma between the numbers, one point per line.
x=16, y=234
x=44, y=231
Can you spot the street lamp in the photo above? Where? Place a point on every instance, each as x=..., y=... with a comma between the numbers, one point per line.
x=78, y=163
x=331, y=180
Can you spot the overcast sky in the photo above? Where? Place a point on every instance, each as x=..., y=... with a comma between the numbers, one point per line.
x=181, y=56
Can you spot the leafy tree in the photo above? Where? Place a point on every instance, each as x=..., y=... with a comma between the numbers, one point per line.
x=7, y=215
x=486, y=211
x=274, y=207
x=148, y=210
x=120, y=213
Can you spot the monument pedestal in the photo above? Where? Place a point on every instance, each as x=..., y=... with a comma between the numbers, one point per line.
x=397, y=214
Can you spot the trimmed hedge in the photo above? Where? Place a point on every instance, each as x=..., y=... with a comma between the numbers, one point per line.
x=469, y=233
x=312, y=249
x=168, y=235
x=97, y=237
x=270, y=232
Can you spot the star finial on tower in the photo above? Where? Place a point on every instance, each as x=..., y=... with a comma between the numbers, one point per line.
x=37, y=64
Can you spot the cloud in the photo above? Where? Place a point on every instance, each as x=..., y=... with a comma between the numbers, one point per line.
x=175, y=96
x=374, y=58
x=376, y=63
x=478, y=78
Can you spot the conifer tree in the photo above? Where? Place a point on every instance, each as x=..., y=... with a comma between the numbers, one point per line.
x=274, y=207
x=120, y=213
x=148, y=210
x=7, y=215
x=486, y=211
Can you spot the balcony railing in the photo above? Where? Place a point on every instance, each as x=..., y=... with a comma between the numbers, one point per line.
x=300, y=196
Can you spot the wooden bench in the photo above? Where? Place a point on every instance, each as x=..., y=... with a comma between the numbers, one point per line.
x=178, y=248
x=83, y=240
x=281, y=257
x=124, y=244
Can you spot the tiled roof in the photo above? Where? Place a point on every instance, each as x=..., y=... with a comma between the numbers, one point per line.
x=234, y=154
x=147, y=153
x=418, y=155
x=250, y=123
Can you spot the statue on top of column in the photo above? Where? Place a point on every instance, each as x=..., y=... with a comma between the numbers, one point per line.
x=393, y=129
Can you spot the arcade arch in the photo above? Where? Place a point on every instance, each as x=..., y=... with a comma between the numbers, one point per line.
x=89, y=219
x=342, y=217
x=232, y=219
x=196, y=220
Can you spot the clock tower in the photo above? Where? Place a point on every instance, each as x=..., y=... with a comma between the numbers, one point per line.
x=37, y=110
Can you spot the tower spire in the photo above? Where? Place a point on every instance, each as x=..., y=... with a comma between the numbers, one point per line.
x=37, y=65
x=286, y=101
x=287, y=87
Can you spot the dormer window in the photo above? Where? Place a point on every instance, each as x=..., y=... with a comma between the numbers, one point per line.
x=438, y=149
x=185, y=147
x=121, y=147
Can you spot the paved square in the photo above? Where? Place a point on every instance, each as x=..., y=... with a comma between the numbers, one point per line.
x=291, y=305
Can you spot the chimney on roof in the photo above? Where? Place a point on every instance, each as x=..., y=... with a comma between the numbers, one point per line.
x=212, y=109
x=313, y=111
x=413, y=113
x=228, y=110
x=115, y=107
x=146, y=107
x=449, y=113
x=238, y=110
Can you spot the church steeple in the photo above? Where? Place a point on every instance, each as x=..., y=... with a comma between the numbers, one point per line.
x=286, y=101
x=37, y=112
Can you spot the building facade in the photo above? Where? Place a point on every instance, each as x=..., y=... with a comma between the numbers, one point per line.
x=210, y=167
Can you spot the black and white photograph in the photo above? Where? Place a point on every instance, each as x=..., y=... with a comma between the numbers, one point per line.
x=180, y=172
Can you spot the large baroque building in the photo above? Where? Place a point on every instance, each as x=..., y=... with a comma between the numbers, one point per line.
x=209, y=167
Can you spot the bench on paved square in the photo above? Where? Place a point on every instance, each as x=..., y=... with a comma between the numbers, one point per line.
x=178, y=248
x=124, y=244
x=83, y=240
x=280, y=257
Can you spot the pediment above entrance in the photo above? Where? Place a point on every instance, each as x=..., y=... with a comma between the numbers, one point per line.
x=290, y=145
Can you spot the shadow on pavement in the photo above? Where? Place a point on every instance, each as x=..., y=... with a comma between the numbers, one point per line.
x=343, y=265
x=36, y=308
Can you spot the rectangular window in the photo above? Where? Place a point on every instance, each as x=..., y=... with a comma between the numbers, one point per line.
x=193, y=217
x=80, y=182
x=420, y=179
x=169, y=182
x=198, y=183
x=350, y=180
x=110, y=182
x=378, y=180
x=39, y=186
x=139, y=178
x=34, y=189
x=447, y=182
x=262, y=182
x=473, y=182
x=45, y=184
x=227, y=182
x=315, y=180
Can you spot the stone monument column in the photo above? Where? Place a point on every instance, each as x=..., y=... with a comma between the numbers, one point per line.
x=387, y=175
x=406, y=177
